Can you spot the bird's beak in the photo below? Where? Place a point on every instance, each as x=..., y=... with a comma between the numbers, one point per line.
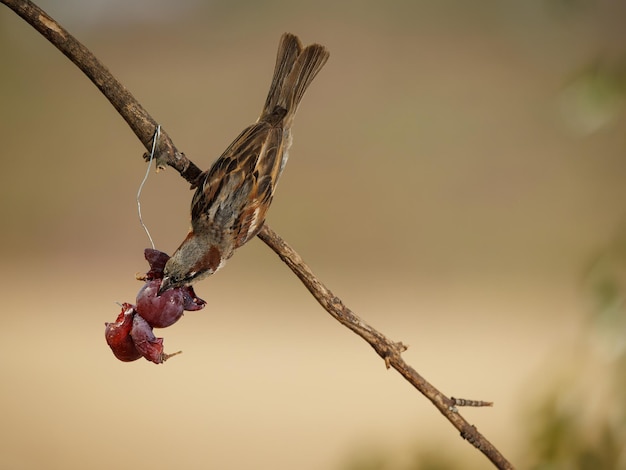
x=166, y=284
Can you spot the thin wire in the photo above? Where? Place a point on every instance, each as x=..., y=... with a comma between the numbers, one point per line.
x=157, y=133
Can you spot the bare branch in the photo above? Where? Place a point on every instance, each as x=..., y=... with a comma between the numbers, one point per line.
x=144, y=126
x=389, y=350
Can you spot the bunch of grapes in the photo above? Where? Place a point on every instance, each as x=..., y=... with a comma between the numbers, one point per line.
x=130, y=336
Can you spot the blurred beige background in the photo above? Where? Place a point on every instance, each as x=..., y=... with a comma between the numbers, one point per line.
x=441, y=183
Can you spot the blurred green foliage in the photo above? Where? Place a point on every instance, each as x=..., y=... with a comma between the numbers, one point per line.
x=579, y=420
x=594, y=98
x=434, y=458
x=566, y=431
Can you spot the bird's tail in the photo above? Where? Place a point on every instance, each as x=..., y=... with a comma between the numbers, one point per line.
x=296, y=67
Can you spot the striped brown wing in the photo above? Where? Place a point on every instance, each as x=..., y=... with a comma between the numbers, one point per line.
x=231, y=205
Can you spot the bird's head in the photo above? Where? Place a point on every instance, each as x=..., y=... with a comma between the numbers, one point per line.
x=193, y=260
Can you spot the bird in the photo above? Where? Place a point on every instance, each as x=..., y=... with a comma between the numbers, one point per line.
x=233, y=196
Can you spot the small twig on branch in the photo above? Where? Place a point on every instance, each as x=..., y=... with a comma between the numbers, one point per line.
x=144, y=126
x=474, y=403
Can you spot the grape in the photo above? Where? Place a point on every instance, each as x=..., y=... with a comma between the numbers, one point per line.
x=160, y=311
x=156, y=259
x=146, y=343
x=191, y=302
x=118, y=336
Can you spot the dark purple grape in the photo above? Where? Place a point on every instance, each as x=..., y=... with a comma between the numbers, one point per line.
x=118, y=336
x=146, y=343
x=191, y=302
x=160, y=311
x=157, y=260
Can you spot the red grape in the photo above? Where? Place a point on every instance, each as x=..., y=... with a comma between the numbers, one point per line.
x=146, y=343
x=118, y=337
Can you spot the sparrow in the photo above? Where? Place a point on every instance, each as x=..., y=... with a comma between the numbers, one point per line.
x=233, y=196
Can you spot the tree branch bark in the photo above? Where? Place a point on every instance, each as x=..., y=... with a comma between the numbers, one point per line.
x=144, y=127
